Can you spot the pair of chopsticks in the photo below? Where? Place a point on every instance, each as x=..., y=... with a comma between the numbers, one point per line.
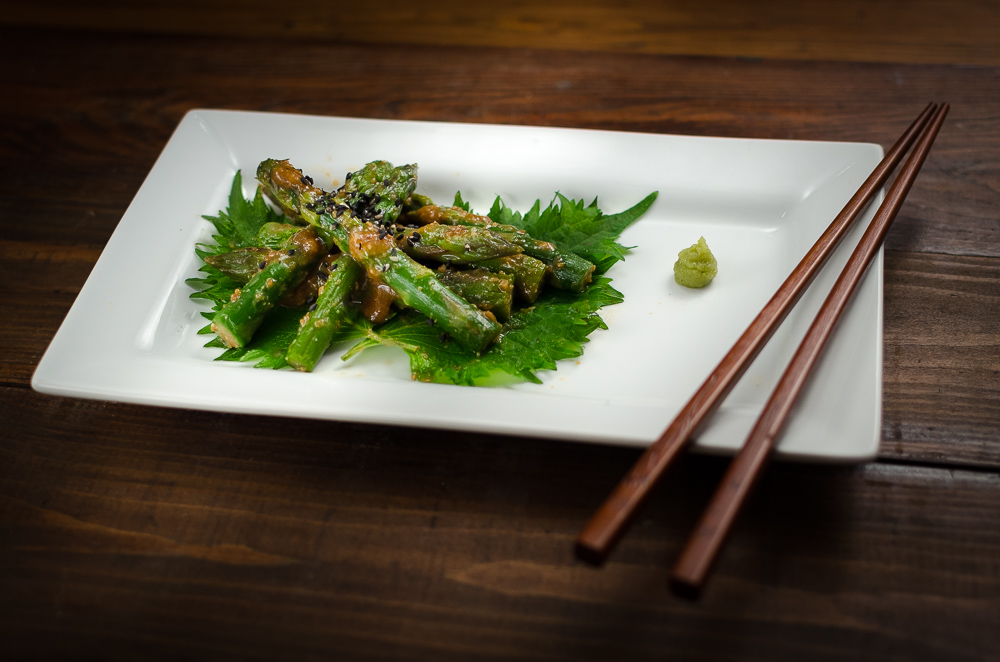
x=608, y=524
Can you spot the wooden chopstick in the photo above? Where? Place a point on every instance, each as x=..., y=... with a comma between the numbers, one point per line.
x=609, y=522
x=705, y=543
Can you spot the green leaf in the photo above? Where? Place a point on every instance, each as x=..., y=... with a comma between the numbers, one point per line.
x=239, y=224
x=460, y=203
x=575, y=227
x=556, y=327
x=237, y=227
x=267, y=349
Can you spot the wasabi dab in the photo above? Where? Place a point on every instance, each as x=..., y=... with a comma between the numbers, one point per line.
x=695, y=266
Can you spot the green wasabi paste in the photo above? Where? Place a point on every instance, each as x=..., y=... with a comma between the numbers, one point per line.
x=695, y=266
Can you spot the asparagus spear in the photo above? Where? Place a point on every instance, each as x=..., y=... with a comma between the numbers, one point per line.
x=330, y=311
x=455, y=244
x=242, y=264
x=358, y=219
x=237, y=320
x=483, y=289
x=376, y=299
x=527, y=272
x=419, y=289
x=276, y=235
x=416, y=201
x=569, y=271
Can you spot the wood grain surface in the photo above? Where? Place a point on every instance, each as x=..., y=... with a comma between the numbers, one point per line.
x=131, y=532
x=915, y=31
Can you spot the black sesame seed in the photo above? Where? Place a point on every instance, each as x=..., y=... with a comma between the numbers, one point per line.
x=262, y=265
x=312, y=308
x=398, y=202
x=322, y=277
x=290, y=252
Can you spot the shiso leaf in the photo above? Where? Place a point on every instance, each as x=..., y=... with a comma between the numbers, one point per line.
x=556, y=327
x=534, y=338
x=575, y=227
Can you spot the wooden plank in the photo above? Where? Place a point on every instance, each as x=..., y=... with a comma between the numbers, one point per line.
x=43, y=280
x=942, y=359
x=921, y=31
x=257, y=537
x=71, y=123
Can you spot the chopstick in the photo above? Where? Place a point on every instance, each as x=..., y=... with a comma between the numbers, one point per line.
x=609, y=522
x=712, y=529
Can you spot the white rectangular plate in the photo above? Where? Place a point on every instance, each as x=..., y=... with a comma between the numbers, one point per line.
x=131, y=334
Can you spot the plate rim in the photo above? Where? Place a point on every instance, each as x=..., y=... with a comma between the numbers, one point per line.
x=45, y=377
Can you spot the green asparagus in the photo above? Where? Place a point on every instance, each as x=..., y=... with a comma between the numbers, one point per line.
x=528, y=273
x=328, y=313
x=348, y=253
x=483, y=289
x=358, y=218
x=237, y=320
x=568, y=271
x=455, y=244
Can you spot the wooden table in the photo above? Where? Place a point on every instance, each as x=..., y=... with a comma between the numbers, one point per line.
x=130, y=532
